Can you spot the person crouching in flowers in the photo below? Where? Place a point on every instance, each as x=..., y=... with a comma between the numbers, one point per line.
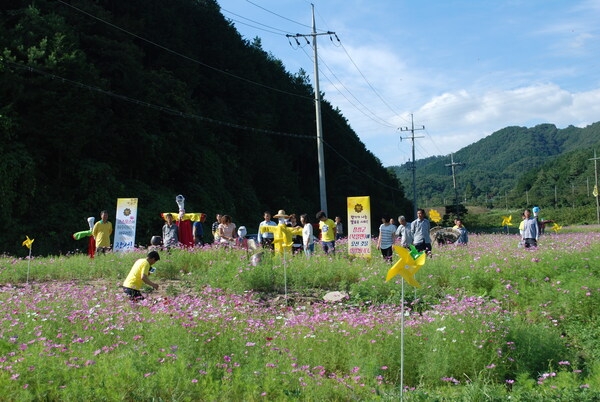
x=138, y=275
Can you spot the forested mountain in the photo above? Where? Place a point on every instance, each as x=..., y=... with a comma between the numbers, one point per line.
x=513, y=168
x=107, y=99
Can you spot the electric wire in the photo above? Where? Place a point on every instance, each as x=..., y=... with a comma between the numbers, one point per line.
x=278, y=15
x=372, y=115
x=270, y=30
x=192, y=60
x=165, y=109
x=180, y=54
x=367, y=81
x=181, y=114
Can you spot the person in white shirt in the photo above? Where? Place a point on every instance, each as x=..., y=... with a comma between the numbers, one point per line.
x=387, y=235
x=308, y=242
x=404, y=233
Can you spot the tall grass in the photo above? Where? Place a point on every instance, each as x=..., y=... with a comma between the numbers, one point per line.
x=491, y=321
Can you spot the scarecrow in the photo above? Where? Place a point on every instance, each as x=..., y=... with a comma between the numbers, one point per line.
x=184, y=221
x=283, y=235
x=88, y=233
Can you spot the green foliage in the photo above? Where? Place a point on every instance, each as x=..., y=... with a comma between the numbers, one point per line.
x=515, y=167
x=490, y=321
x=90, y=113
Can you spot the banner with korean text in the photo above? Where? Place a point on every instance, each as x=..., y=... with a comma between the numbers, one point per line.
x=359, y=226
x=125, y=220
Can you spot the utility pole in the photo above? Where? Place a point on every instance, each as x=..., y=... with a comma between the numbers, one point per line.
x=413, y=166
x=595, y=193
x=453, y=165
x=320, y=154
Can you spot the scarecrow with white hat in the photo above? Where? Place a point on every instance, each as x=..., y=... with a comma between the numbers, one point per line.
x=283, y=235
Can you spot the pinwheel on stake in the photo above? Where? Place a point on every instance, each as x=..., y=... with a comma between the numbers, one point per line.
x=506, y=222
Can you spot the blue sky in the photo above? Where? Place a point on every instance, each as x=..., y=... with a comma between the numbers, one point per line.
x=464, y=69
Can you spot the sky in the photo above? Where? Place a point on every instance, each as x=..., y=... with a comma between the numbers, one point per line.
x=460, y=69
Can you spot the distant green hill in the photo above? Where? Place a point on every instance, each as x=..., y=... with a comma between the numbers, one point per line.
x=512, y=168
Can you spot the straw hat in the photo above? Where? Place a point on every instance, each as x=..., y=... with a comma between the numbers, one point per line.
x=281, y=214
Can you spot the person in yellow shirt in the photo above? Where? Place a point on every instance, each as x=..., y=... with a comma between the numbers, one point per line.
x=139, y=275
x=101, y=232
x=327, y=227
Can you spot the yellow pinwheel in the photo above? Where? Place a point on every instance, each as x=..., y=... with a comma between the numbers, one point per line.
x=28, y=242
x=434, y=216
x=556, y=227
x=507, y=220
x=407, y=266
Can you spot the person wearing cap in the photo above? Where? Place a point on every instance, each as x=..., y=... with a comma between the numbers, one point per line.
x=266, y=238
x=327, y=227
x=138, y=275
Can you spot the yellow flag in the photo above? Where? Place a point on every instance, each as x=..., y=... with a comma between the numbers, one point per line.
x=27, y=243
x=595, y=192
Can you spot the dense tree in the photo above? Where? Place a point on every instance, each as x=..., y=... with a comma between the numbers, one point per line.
x=106, y=99
x=515, y=167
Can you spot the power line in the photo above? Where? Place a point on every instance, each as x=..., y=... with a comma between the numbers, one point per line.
x=165, y=109
x=367, y=81
x=372, y=117
x=270, y=28
x=182, y=55
x=255, y=22
x=178, y=113
x=278, y=15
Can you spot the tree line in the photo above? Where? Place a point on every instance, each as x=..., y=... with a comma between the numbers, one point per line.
x=109, y=99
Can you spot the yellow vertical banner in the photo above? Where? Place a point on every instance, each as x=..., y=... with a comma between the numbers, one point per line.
x=125, y=221
x=359, y=226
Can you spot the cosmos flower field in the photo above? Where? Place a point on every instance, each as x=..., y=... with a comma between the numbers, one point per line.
x=490, y=321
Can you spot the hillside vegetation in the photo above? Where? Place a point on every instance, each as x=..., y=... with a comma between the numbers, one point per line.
x=109, y=99
x=515, y=167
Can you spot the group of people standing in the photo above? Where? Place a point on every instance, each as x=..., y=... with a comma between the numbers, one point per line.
x=415, y=233
x=224, y=231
